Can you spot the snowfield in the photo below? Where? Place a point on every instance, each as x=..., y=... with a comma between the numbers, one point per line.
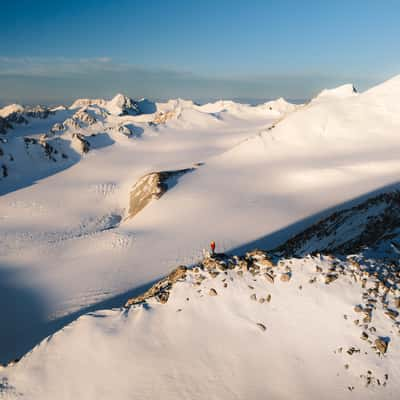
x=94, y=208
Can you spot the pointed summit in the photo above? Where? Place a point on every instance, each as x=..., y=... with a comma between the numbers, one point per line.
x=123, y=105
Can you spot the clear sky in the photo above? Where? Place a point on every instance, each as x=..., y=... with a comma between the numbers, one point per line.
x=54, y=51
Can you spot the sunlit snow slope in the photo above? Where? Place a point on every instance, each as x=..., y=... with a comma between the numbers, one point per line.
x=65, y=239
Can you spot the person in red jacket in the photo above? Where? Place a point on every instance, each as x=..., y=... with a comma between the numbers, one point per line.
x=212, y=245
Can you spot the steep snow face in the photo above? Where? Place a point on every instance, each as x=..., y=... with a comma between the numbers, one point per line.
x=229, y=328
x=287, y=176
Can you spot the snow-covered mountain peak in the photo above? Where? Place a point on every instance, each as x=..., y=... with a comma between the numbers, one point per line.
x=340, y=92
x=122, y=105
x=11, y=109
x=79, y=103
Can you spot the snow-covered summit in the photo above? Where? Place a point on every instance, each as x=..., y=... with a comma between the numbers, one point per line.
x=280, y=105
x=11, y=109
x=118, y=105
x=340, y=92
x=79, y=103
x=122, y=105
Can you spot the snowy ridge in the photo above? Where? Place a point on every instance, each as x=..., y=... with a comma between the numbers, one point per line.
x=372, y=227
x=200, y=316
x=341, y=92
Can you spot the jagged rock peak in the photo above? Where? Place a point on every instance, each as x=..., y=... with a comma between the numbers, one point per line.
x=123, y=105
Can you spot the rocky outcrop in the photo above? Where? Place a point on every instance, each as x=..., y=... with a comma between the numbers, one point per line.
x=381, y=345
x=80, y=143
x=124, y=130
x=261, y=326
x=72, y=124
x=162, y=117
x=38, y=112
x=85, y=117
x=13, y=113
x=57, y=127
x=49, y=150
x=88, y=102
x=349, y=231
x=160, y=291
x=149, y=187
x=122, y=105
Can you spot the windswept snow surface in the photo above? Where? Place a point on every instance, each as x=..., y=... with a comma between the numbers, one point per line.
x=227, y=334
x=65, y=243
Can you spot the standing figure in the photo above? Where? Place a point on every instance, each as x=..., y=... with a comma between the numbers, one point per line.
x=212, y=245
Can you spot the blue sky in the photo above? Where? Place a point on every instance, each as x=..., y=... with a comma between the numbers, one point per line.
x=54, y=51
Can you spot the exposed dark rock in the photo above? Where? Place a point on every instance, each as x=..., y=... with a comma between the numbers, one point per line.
x=261, y=326
x=82, y=143
x=38, y=112
x=285, y=277
x=381, y=345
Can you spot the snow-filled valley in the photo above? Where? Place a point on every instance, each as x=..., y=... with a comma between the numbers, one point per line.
x=102, y=199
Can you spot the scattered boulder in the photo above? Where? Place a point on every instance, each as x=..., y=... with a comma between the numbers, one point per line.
x=330, y=278
x=397, y=302
x=163, y=297
x=261, y=326
x=212, y=292
x=352, y=350
x=270, y=278
x=358, y=308
x=392, y=314
x=381, y=345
